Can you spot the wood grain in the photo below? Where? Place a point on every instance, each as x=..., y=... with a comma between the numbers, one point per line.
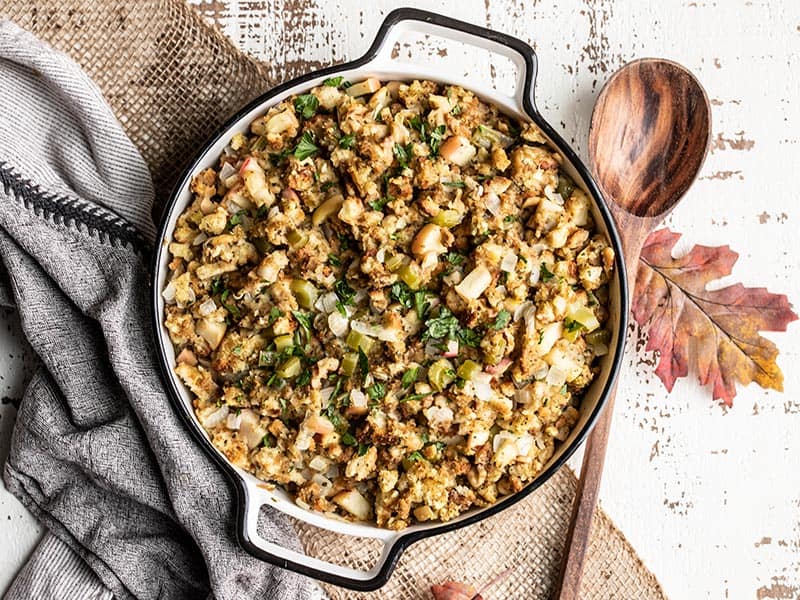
x=649, y=136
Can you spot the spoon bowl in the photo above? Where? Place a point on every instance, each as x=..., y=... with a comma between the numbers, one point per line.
x=649, y=135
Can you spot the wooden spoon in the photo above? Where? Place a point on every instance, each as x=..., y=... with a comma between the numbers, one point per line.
x=649, y=135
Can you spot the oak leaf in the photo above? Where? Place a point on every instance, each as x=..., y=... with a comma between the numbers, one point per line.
x=453, y=590
x=715, y=331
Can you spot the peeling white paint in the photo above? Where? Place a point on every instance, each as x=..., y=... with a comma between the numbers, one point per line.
x=710, y=498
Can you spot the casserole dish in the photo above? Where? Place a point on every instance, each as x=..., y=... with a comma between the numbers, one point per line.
x=251, y=494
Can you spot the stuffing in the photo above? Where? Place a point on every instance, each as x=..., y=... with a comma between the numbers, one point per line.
x=389, y=299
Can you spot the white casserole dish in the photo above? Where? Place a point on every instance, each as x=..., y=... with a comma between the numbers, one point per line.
x=378, y=62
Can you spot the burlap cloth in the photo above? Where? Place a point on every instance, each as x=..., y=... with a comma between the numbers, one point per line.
x=171, y=80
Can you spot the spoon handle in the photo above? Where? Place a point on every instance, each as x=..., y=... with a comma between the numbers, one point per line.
x=586, y=494
x=633, y=232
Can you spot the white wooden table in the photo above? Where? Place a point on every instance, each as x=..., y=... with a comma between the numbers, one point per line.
x=710, y=497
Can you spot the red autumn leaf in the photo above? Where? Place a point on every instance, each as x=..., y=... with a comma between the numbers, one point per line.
x=453, y=590
x=716, y=331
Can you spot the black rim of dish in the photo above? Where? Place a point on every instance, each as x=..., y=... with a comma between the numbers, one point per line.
x=529, y=106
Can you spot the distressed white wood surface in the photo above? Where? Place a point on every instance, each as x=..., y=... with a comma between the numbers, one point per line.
x=709, y=497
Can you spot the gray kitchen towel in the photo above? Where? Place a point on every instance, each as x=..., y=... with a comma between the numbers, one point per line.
x=133, y=508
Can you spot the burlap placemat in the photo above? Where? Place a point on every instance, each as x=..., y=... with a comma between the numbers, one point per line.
x=171, y=80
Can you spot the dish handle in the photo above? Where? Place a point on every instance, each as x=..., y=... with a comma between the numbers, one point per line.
x=252, y=501
x=405, y=20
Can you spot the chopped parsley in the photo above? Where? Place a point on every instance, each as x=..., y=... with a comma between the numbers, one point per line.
x=402, y=154
x=431, y=137
x=409, y=377
x=444, y=326
x=269, y=441
x=304, y=378
x=235, y=219
x=502, y=319
x=304, y=320
x=509, y=218
x=454, y=258
x=435, y=139
x=363, y=362
x=266, y=358
x=348, y=439
x=469, y=337
x=217, y=286
x=334, y=260
x=380, y=203
x=400, y=292
x=306, y=105
x=306, y=147
x=571, y=326
x=414, y=457
x=327, y=185
x=363, y=449
x=376, y=391
x=544, y=273
x=275, y=313
x=230, y=307
x=456, y=110
x=421, y=303
x=347, y=141
x=344, y=292
x=278, y=157
x=412, y=397
x=454, y=184
x=338, y=82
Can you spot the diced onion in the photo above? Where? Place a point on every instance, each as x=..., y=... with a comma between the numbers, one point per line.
x=520, y=310
x=523, y=396
x=388, y=334
x=227, y=170
x=453, y=278
x=509, y=262
x=483, y=386
x=325, y=393
x=439, y=415
x=552, y=195
x=524, y=444
x=338, y=324
x=358, y=399
x=364, y=328
x=533, y=278
x=499, y=368
x=217, y=417
x=550, y=335
x=541, y=372
x=199, y=238
x=501, y=437
x=325, y=484
x=493, y=203
x=250, y=429
x=169, y=292
x=475, y=283
x=556, y=376
x=234, y=421
x=207, y=307
x=327, y=302
x=318, y=463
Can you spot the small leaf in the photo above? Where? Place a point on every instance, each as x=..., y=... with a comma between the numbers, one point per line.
x=306, y=105
x=715, y=331
x=453, y=590
x=306, y=147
